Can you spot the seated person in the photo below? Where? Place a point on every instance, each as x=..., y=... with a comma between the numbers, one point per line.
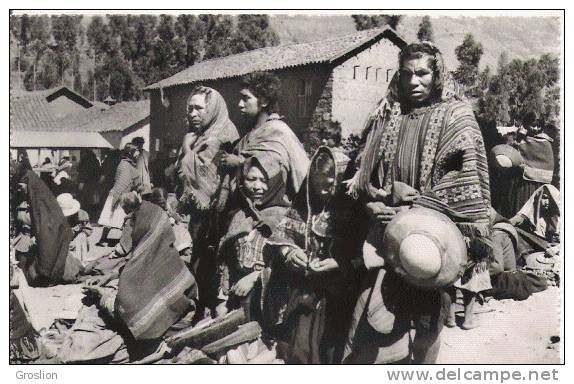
x=51, y=263
x=132, y=310
x=262, y=188
x=78, y=219
x=504, y=243
x=540, y=216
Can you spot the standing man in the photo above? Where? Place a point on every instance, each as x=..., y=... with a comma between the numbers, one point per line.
x=424, y=149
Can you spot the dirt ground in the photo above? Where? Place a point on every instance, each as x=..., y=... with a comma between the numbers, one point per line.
x=511, y=332
x=515, y=332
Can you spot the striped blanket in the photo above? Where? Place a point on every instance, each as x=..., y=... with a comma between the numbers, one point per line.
x=152, y=286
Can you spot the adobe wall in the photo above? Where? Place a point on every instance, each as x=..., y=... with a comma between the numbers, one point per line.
x=355, y=94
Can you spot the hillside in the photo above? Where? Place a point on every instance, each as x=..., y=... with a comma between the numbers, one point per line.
x=519, y=37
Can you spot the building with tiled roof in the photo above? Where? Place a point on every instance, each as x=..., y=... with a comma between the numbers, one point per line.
x=337, y=79
x=121, y=122
x=54, y=109
x=48, y=121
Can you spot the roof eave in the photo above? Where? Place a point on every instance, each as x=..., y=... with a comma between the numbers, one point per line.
x=388, y=32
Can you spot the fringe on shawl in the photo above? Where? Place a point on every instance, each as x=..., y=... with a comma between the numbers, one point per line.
x=479, y=242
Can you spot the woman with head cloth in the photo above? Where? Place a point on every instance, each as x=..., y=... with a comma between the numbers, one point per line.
x=262, y=184
x=424, y=148
x=310, y=293
x=127, y=179
x=210, y=130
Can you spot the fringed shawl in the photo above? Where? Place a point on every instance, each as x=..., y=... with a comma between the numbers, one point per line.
x=153, y=282
x=198, y=172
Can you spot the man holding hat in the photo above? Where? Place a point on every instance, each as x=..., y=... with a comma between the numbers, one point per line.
x=424, y=178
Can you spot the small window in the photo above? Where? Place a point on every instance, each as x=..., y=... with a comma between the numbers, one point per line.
x=388, y=72
x=157, y=145
x=355, y=71
x=304, y=92
x=367, y=70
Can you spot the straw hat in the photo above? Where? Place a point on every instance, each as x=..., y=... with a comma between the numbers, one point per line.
x=68, y=204
x=425, y=247
x=506, y=156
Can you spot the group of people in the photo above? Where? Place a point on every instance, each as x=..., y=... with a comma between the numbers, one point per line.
x=309, y=247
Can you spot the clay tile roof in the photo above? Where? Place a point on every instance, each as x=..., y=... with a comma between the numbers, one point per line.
x=118, y=117
x=32, y=110
x=283, y=56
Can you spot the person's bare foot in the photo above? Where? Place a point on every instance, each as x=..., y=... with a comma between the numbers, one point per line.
x=470, y=323
x=469, y=299
x=451, y=317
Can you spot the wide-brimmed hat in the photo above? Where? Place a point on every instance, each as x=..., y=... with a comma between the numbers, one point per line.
x=506, y=156
x=68, y=204
x=425, y=247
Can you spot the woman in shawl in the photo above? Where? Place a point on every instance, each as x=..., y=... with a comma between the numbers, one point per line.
x=536, y=149
x=50, y=263
x=155, y=290
x=127, y=179
x=424, y=148
x=262, y=187
x=210, y=130
x=538, y=221
x=258, y=104
x=309, y=296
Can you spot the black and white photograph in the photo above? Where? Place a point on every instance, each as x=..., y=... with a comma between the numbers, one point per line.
x=286, y=187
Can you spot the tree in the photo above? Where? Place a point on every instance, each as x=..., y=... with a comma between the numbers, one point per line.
x=425, y=32
x=468, y=55
x=65, y=30
x=191, y=34
x=122, y=83
x=219, y=34
x=49, y=74
x=252, y=32
x=38, y=40
x=363, y=22
x=99, y=36
x=521, y=90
